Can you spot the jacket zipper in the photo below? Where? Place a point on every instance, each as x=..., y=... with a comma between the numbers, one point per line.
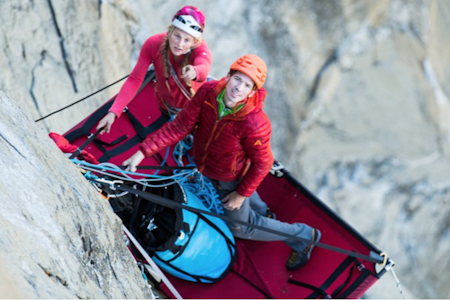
x=210, y=137
x=221, y=129
x=233, y=165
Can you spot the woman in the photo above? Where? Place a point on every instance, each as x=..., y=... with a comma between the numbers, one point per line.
x=181, y=59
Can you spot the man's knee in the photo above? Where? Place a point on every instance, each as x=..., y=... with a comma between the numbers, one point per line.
x=242, y=232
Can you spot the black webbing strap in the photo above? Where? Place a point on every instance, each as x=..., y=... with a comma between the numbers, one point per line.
x=140, y=129
x=252, y=284
x=332, y=278
x=197, y=278
x=133, y=141
x=103, y=110
x=339, y=288
x=107, y=155
x=364, y=274
x=136, y=125
x=180, y=249
x=311, y=287
x=113, y=143
x=100, y=143
x=84, y=145
x=148, y=77
x=177, y=250
x=231, y=246
x=136, y=204
x=171, y=204
x=90, y=122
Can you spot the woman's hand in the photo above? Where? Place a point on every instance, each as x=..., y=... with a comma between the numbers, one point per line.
x=134, y=161
x=188, y=72
x=233, y=201
x=106, y=122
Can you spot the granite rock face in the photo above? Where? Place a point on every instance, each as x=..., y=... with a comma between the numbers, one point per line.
x=357, y=96
x=59, y=238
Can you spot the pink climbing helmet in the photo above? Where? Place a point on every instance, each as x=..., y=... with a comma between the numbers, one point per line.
x=191, y=20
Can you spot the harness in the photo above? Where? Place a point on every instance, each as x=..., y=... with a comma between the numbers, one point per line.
x=186, y=93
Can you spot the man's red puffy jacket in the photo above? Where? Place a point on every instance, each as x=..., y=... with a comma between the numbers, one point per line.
x=234, y=147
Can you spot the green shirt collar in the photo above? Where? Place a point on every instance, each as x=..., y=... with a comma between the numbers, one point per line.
x=223, y=110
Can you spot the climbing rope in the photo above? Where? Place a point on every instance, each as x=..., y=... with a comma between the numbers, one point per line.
x=191, y=180
x=164, y=160
x=388, y=265
x=199, y=185
x=116, y=172
x=203, y=188
x=82, y=99
x=182, y=148
x=398, y=284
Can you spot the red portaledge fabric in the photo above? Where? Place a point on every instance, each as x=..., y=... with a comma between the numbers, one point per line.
x=259, y=271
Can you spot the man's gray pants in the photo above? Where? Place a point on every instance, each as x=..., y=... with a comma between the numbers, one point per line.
x=253, y=211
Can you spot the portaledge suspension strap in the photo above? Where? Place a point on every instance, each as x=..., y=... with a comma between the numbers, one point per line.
x=86, y=142
x=171, y=204
x=65, y=107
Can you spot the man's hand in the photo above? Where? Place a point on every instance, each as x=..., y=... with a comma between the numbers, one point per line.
x=233, y=201
x=188, y=72
x=134, y=161
x=106, y=122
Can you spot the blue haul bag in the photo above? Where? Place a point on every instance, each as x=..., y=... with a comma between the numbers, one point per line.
x=188, y=245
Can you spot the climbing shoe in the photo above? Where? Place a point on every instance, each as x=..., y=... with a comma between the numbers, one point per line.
x=270, y=214
x=298, y=259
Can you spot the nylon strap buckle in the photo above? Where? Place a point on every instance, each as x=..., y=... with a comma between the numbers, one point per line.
x=276, y=169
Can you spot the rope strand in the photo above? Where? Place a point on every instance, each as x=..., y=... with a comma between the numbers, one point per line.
x=398, y=284
x=76, y=102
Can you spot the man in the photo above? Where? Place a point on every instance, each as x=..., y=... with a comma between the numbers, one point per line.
x=232, y=148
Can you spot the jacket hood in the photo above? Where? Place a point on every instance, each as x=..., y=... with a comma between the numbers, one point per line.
x=252, y=105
